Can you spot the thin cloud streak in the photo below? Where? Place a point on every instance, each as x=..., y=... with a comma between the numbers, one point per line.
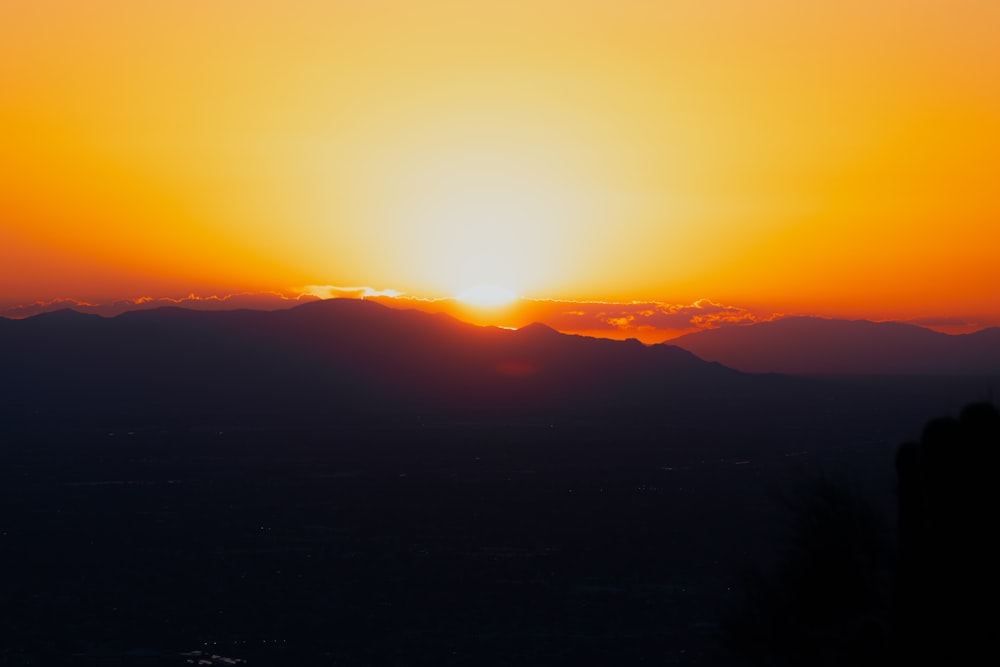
x=335, y=292
x=950, y=325
x=252, y=300
x=649, y=321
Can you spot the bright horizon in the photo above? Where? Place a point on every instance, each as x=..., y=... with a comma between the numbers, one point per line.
x=683, y=164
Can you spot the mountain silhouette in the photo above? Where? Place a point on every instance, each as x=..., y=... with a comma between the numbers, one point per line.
x=332, y=358
x=381, y=486
x=810, y=345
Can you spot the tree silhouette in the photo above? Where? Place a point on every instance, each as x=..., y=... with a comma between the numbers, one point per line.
x=827, y=601
x=830, y=601
x=948, y=502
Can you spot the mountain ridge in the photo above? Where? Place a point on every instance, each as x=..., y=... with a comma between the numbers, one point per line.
x=334, y=358
x=812, y=345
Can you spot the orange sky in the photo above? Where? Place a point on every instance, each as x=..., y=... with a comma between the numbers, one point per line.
x=775, y=156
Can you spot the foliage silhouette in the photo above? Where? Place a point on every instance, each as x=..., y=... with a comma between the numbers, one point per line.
x=948, y=552
x=826, y=601
x=841, y=595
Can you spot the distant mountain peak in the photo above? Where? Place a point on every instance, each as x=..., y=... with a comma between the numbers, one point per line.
x=68, y=313
x=538, y=329
x=814, y=345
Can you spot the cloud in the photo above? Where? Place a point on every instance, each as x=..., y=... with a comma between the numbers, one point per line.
x=21, y=310
x=265, y=300
x=254, y=300
x=951, y=325
x=940, y=322
x=333, y=292
x=649, y=321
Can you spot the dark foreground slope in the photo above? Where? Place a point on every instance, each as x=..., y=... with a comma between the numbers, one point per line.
x=346, y=484
x=810, y=345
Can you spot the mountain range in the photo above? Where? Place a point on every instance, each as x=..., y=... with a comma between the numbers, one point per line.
x=344, y=359
x=380, y=486
x=811, y=345
x=332, y=358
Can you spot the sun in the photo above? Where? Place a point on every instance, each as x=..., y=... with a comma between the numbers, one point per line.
x=487, y=296
x=481, y=188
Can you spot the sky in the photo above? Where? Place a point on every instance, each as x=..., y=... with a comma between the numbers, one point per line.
x=639, y=165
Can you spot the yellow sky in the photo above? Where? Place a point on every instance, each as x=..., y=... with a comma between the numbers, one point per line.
x=836, y=158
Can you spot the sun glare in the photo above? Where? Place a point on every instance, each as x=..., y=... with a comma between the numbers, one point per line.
x=487, y=296
x=490, y=183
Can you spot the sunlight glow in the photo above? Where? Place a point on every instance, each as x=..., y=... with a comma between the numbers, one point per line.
x=582, y=151
x=497, y=184
x=487, y=296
